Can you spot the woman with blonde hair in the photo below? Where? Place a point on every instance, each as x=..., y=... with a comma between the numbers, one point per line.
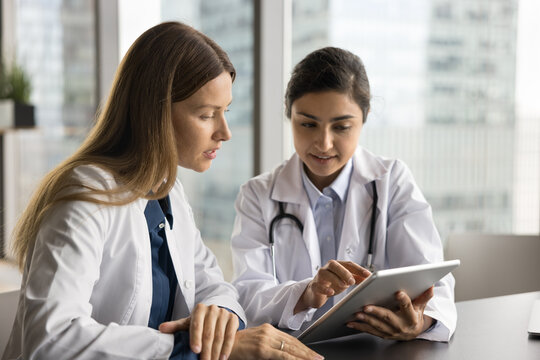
x=113, y=264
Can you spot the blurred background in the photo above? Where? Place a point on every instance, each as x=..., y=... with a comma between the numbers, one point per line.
x=455, y=87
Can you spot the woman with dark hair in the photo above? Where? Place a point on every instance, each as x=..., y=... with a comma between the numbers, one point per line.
x=113, y=264
x=302, y=230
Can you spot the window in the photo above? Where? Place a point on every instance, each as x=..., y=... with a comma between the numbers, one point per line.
x=212, y=193
x=54, y=42
x=450, y=97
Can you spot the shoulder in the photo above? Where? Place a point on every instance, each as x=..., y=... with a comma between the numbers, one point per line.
x=264, y=183
x=94, y=176
x=374, y=166
x=91, y=186
x=177, y=192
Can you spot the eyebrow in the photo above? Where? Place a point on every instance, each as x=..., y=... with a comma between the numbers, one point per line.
x=337, y=118
x=216, y=107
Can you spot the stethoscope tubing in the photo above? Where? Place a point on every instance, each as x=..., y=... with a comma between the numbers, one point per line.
x=283, y=215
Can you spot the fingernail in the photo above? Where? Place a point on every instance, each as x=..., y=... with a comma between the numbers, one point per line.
x=367, y=309
x=319, y=357
x=349, y=325
x=197, y=349
x=351, y=281
x=223, y=357
x=360, y=316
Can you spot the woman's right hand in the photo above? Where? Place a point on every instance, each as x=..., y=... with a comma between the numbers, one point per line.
x=332, y=279
x=267, y=342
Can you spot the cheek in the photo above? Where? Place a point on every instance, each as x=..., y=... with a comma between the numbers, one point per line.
x=352, y=140
x=184, y=138
x=301, y=138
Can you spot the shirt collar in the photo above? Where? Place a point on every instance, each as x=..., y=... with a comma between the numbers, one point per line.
x=156, y=210
x=340, y=185
x=165, y=204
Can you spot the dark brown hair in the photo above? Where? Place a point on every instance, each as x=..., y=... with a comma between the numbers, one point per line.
x=330, y=69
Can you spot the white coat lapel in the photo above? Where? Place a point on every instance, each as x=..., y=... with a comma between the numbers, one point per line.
x=355, y=232
x=357, y=219
x=180, y=243
x=141, y=311
x=288, y=188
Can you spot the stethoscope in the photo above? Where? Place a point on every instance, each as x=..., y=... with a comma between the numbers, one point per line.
x=283, y=215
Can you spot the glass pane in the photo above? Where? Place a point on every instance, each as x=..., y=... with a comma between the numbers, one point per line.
x=447, y=99
x=55, y=44
x=212, y=193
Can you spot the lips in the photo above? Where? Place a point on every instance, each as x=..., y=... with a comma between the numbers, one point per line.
x=322, y=159
x=211, y=154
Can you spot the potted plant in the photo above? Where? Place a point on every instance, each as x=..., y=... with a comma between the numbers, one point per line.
x=15, y=87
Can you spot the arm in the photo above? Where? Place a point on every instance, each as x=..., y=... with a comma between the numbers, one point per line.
x=413, y=239
x=262, y=299
x=64, y=267
x=214, y=310
x=211, y=288
x=412, y=231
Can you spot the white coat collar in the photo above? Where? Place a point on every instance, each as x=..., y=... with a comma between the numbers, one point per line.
x=289, y=188
x=367, y=166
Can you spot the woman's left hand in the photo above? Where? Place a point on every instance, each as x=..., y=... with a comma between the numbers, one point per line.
x=406, y=323
x=212, y=331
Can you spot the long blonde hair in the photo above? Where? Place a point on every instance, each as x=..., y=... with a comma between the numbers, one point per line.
x=133, y=137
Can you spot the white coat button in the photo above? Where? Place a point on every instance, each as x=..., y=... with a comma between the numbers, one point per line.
x=328, y=238
x=317, y=268
x=348, y=251
x=327, y=206
x=161, y=226
x=188, y=284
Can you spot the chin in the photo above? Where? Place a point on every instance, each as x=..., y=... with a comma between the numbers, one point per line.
x=202, y=168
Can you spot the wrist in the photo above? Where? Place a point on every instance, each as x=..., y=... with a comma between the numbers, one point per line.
x=428, y=323
x=301, y=304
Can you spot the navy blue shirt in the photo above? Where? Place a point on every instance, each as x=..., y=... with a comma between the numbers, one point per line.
x=164, y=281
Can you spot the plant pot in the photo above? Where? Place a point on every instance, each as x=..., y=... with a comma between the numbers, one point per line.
x=16, y=115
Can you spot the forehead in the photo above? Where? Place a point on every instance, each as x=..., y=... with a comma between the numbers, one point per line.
x=215, y=92
x=326, y=102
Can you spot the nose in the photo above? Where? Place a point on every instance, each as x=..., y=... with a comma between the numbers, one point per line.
x=222, y=133
x=324, y=140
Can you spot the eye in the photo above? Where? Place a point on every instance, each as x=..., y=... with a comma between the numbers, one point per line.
x=308, y=124
x=207, y=116
x=342, y=127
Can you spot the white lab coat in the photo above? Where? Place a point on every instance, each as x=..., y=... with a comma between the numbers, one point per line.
x=405, y=235
x=87, y=288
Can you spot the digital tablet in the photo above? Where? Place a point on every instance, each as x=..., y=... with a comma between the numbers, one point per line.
x=378, y=289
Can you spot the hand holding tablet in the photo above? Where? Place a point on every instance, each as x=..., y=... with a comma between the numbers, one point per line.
x=403, y=323
x=378, y=289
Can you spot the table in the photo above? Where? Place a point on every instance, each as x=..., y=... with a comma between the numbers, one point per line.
x=490, y=328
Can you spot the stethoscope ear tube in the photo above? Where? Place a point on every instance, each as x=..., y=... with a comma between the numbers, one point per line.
x=282, y=215
x=372, y=227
